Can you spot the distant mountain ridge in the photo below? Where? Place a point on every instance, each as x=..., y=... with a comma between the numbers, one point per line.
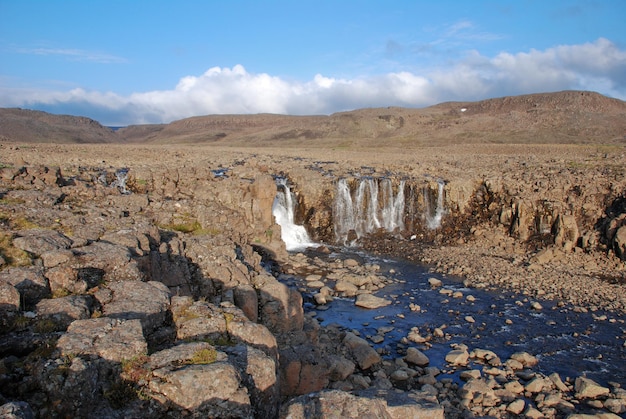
x=23, y=125
x=561, y=117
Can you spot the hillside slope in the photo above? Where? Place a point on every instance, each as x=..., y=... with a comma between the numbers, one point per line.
x=22, y=125
x=562, y=117
x=574, y=117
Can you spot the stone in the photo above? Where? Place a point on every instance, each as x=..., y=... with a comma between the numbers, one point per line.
x=63, y=311
x=211, y=390
x=617, y=406
x=514, y=387
x=533, y=413
x=558, y=383
x=259, y=375
x=364, y=355
x=340, y=404
x=147, y=301
x=417, y=357
x=341, y=368
x=434, y=282
x=457, y=357
x=346, y=287
x=280, y=307
x=470, y=375
x=589, y=389
x=516, y=407
x=536, y=385
x=9, y=297
x=39, y=241
x=16, y=410
x=112, y=339
x=619, y=242
x=303, y=369
x=247, y=300
x=29, y=281
x=526, y=359
x=370, y=301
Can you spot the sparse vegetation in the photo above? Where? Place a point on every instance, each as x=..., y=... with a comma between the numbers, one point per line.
x=134, y=369
x=46, y=326
x=11, y=254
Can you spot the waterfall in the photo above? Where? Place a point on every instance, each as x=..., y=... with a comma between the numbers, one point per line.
x=294, y=236
x=373, y=205
x=433, y=221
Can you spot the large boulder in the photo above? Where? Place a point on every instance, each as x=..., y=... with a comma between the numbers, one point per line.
x=339, y=404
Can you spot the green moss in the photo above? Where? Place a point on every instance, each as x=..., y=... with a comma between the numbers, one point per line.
x=203, y=356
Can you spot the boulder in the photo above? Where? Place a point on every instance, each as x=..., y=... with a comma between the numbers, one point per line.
x=146, y=301
x=209, y=390
x=112, y=339
x=259, y=375
x=417, y=357
x=303, y=369
x=364, y=355
x=589, y=389
x=340, y=404
x=107, y=261
x=280, y=307
x=63, y=311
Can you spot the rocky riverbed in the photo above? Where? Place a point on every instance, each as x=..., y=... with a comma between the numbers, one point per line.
x=153, y=281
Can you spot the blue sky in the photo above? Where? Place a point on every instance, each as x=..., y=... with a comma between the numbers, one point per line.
x=133, y=62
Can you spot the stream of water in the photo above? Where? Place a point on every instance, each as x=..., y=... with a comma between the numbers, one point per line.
x=565, y=341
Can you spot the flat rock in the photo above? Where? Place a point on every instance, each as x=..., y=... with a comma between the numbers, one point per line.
x=111, y=339
x=457, y=357
x=340, y=404
x=371, y=301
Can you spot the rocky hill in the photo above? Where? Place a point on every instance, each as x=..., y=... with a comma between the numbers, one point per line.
x=573, y=117
x=22, y=125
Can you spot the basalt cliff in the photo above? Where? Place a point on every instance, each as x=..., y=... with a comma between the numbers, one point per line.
x=144, y=279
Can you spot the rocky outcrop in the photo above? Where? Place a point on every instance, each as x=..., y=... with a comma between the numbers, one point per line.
x=155, y=295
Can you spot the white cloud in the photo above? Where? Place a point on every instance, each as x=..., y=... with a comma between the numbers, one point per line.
x=73, y=54
x=599, y=66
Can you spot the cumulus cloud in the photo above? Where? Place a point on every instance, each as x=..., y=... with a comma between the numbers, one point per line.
x=598, y=66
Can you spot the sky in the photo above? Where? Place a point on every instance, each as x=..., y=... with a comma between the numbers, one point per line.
x=124, y=62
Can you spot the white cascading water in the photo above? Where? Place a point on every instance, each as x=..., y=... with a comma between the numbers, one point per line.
x=433, y=221
x=294, y=236
x=365, y=212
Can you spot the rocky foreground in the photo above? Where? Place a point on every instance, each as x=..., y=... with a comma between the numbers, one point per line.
x=140, y=281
